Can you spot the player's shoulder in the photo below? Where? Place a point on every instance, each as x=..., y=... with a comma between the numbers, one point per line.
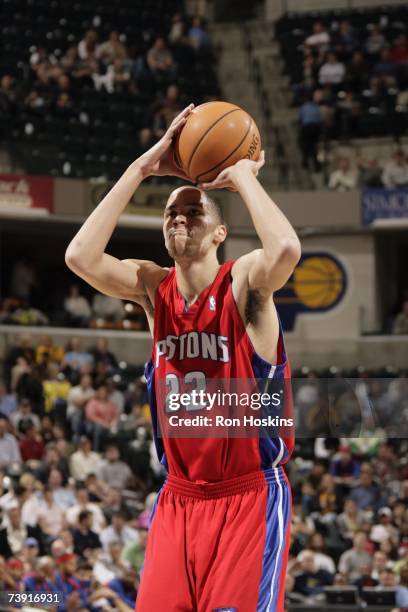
x=243, y=264
x=150, y=273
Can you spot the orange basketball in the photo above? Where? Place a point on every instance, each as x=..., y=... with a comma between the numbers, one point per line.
x=216, y=135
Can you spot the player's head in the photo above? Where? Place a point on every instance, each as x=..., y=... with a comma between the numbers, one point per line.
x=193, y=224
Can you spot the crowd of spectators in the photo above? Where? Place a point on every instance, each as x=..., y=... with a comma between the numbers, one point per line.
x=349, y=76
x=391, y=174
x=79, y=476
x=121, y=89
x=22, y=306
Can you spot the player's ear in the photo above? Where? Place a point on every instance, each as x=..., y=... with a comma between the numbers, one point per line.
x=220, y=233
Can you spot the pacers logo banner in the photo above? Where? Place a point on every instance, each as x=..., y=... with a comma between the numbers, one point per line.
x=317, y=284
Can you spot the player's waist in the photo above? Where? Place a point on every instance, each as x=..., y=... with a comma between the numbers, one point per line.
x=225, y=488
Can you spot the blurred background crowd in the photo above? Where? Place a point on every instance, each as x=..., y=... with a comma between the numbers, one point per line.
x=79, y=476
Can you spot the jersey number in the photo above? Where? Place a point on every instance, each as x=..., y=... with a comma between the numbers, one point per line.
x=196, y=381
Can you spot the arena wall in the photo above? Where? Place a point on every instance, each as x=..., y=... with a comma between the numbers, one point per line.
x=275, y=8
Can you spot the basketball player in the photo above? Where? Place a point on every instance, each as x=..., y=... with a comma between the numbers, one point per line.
x=219, y=534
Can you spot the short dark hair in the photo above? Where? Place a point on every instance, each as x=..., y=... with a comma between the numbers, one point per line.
x=215, y=208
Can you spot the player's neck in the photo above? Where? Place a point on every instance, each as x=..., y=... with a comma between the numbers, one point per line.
x=194, y=276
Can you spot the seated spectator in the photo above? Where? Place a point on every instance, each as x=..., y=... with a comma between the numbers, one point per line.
x=375, y=43
x=102, y=353
x=343, y=467
x=31, y=445
x=101, y=416
x=107, y=308
x=370, y=173
x=52, y=459
x=56, y=389
x=317, y=545
x=113, y=503
x=47, y=351
x=33, y=499
x=111, y=49
x=23, y=278
x=380, y=561
x=84, y=461
x=114, y=472
x=114, y=394
x=332, y=72
x=118, y=532
x=84, y=538
x=399, y=50
x=319, y=39
x=367, y=494
x=77, y=398
x=160, y=59
x=63, y=496
x=344, y=40
x=8, y=94
x=134, y=552
x=8, y=402
x=77, y=308
x=110, y=564
x=125, y=587
x=166, y=109
x=75, y=357
x=311, y=581
x=357, y=71
x=51, y=516
x=384, y=529
x=87, y=46
x=83, y=503
x=349, y=521
x=15, y=536
x=9, y=450
x=12, y=573
x=365, y=579
x=177, y=34
x=42, y=577
x=387, y=579
x=197, y=35
x=401, y=321
x=384, y=72
x=344, y=177
x=395, y=173
x=352, y=561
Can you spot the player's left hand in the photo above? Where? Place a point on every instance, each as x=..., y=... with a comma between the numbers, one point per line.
x=227, y=177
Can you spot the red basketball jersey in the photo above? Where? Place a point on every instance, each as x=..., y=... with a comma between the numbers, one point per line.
x=209, y=338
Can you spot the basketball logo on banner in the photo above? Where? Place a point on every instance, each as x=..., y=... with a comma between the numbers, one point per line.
x=317, y=284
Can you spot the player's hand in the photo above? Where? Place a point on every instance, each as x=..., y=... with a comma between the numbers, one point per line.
x=159, y=160
x=227, y=177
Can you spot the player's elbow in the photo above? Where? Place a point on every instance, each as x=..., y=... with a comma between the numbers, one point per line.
x=74, y=259
x=291, y=251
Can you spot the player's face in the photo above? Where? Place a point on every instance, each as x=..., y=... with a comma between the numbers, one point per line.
x=189, y=225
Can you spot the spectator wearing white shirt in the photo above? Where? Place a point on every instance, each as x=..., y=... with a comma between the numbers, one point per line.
x=51, y=517
x=118, y=532
x=107, y=307
x=344, y=177
x=33, y=500
x=319, y=39
x=384, y=529
x=332, y=72
x=77, y=399
x=395, y=173
x=24, y=413
x=77, y=308
x=9, y=450
x=83, y=503
x=84, y=461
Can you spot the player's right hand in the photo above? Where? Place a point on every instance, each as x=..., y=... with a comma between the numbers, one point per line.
x=159, y=160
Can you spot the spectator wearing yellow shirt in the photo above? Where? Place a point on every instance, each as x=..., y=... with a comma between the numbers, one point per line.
x=56, y=389
x=46, y=352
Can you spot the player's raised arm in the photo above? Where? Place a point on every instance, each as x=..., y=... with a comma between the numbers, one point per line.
x=86, y=253
x=270, y=267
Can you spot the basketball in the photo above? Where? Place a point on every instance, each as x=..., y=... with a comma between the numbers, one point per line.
x=215, y=136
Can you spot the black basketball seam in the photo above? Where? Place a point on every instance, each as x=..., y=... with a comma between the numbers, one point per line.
x=206, y=132
x=228, y=156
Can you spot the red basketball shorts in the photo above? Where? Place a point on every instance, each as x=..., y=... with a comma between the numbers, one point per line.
x=218, y=546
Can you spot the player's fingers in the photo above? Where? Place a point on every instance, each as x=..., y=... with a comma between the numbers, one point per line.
x=184, y=114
